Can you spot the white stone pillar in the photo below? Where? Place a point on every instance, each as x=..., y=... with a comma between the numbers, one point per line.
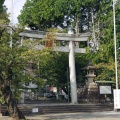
x=22, y=97
x=72, y=73
x=0, y=110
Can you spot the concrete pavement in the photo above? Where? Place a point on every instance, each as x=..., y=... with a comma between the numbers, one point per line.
x=107, y=115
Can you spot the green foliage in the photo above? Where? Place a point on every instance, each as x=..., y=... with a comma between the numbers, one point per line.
x=1, y=5
x=15, y=62
x=43, y=14
x=104, y=58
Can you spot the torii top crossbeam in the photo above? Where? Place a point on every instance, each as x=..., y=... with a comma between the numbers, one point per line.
x=60, y=37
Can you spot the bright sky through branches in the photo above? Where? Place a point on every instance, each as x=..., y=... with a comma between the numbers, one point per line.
x=17, y=6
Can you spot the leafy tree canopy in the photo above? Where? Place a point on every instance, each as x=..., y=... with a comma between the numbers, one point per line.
x=47, y=13
x=1, y=5
x=104, y=58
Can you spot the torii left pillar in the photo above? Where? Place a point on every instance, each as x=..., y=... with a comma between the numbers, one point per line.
x=72, y=73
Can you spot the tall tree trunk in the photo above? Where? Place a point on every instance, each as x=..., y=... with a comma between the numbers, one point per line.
x=77, y=30
x=11, y=104
x=76, y=25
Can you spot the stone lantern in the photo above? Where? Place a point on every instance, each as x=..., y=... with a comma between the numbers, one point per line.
x=91, y=86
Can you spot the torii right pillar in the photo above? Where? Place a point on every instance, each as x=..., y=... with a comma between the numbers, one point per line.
x=72, y=70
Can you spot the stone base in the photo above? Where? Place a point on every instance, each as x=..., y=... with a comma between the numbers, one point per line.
x=92, y=87
x=21, y=101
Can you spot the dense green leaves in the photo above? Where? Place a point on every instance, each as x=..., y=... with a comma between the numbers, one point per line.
x=104, y=59
x=44, y=14
x=1, y=5
x=40, y=13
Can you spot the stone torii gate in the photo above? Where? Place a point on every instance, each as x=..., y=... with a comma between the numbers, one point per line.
x=71, y=48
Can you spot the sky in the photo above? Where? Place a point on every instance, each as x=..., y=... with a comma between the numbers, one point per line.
x=17, y=6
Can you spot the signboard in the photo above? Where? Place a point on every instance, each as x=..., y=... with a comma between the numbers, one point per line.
x=117, y=99
x=50, y=41
x=105, y=90
x=55, y=89
x=34, y=110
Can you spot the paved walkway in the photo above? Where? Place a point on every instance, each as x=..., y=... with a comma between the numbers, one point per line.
x=111, y=115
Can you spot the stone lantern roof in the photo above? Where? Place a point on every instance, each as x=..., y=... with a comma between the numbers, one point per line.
x=89, y=66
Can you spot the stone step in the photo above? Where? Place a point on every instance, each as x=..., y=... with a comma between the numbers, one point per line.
x=76, y=108
x=61, y=108
x=44, y=101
